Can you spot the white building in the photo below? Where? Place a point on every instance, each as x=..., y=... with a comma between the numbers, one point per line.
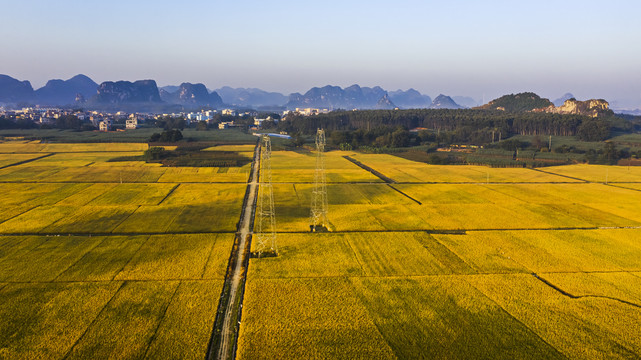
x=131, y=124
x=226, y=125
x=105, y=125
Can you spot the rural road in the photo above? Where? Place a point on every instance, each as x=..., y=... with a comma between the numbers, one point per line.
x=227, y=333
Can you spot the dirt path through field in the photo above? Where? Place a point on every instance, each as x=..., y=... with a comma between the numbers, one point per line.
x=227, y=334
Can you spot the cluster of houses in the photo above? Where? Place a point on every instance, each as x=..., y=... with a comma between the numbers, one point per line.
x=105, y=121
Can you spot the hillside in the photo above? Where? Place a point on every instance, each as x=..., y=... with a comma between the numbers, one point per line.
x=521, y=102
x=65, y=92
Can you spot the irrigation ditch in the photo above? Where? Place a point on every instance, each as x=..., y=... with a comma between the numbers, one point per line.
x=571, y=296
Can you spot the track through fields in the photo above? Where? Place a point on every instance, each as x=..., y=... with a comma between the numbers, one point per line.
x=222, y=344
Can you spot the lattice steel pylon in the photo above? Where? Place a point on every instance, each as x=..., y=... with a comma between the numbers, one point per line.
x=318, y=220
x=266, y=234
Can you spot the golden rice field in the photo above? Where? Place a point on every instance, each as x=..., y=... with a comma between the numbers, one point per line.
x=448, y=265
x=103, y=259
x=107, y=260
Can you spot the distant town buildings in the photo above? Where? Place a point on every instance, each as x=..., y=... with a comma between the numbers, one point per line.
x=105, y=125
x=311, y=111
x=121, y=120
x=227, y=125
x=131, y=124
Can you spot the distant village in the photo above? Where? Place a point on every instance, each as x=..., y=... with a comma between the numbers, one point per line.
x=123, y=121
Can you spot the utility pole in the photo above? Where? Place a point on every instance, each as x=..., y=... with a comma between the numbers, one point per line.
x=318, y=218
x=266, y=234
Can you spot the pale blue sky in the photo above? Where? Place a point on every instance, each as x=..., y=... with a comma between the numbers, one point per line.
x=456, y=47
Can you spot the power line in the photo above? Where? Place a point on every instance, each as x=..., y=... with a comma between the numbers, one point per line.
x=266, y=234
x=318, y=220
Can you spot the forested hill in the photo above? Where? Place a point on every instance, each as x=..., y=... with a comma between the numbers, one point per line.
x=468, y=124
x=522, y=102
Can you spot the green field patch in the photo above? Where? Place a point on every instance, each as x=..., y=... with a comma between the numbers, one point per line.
x=170, y=257
x=587, y=328
x=127, y=324
x=105, y=261
x=186, y=327
x=308, y=255
x=91, y=219
x=44, y=258
x=446, y=318
x=323, y=319
x=43, y=321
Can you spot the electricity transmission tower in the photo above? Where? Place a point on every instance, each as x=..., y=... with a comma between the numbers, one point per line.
x=266, y=234
x=319, y=195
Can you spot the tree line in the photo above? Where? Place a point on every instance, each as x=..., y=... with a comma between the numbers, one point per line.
x=463, y=126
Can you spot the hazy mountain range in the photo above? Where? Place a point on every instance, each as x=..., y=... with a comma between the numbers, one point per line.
x=80, y=90
x=144, y=95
